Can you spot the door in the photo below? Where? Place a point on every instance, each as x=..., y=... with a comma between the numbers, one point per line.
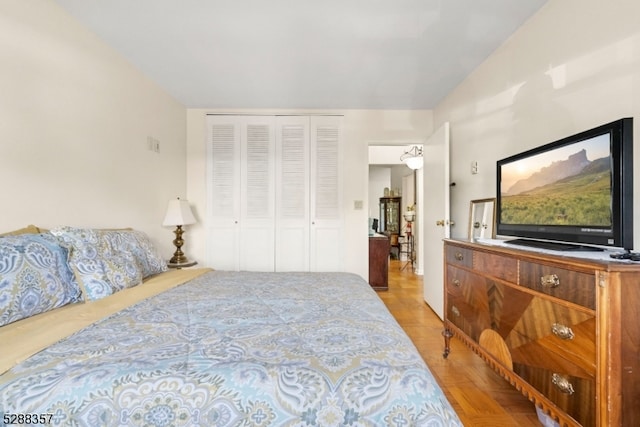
x=274, y=193
x=257, y=195
x=240, y=200
x=435, y=219
x=223, y=184
x=292, y=193
x=326, y=234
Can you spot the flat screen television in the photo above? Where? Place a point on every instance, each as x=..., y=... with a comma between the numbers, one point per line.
x=572, y=194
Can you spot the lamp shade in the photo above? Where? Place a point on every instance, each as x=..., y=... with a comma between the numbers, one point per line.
x=178, y=213
x=414, y=162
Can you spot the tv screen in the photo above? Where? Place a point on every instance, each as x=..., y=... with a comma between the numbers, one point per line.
x=576, y=191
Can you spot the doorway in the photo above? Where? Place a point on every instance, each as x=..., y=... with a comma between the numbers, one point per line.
x=390, y=178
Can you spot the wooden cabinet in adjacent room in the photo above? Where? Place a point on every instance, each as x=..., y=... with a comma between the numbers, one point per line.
x=390, y=218
x=563, y=330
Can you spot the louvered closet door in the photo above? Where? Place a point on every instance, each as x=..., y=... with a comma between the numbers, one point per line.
x=241, y=175
x=292, y=193
x=223, y=192
x=326, y=231
x=257, y=220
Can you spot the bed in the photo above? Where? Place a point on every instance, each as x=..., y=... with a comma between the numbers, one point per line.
x=198, y=347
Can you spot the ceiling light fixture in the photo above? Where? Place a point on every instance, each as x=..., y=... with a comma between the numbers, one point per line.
x=413, y=157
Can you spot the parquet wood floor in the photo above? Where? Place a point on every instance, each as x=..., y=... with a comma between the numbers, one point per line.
x=479, y=395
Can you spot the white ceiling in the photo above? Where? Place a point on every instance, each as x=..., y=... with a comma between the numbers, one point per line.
x=297, y=54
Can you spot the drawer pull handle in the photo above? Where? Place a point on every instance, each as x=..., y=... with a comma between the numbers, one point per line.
x=456, y=282
x=455, y=311
x=550, y=281
x=562, y=383
x=459, y=256
x=562, y=331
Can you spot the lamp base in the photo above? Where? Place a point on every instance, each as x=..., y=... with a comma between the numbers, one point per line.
x=178, y=257
x=182, y=265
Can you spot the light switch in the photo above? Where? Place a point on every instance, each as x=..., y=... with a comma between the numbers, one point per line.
x=474, y=167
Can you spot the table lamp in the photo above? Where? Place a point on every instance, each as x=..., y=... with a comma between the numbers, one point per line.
x=178, y=214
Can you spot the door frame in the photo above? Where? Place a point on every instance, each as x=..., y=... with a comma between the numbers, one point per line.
x=393, y=149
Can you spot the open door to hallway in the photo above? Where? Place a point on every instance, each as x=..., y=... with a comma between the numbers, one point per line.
x=434, y=222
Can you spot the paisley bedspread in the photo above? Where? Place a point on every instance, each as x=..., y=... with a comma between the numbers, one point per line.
x=236, y=349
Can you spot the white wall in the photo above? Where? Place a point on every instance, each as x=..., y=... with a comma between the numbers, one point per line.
x=379, y=179
x=573, y=66
x=74, y=122
x=361, y=127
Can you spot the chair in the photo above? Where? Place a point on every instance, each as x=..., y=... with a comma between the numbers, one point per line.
x=394, y=243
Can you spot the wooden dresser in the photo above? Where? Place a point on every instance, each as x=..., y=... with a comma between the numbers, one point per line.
x=379, y=262
x=563, y=330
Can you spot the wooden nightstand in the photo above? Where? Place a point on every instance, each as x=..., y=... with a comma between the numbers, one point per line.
x=182, y=265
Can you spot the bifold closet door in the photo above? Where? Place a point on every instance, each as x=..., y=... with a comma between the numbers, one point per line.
x=292, y=193
x=274, y=193
x=241, y=192
x=326, y=228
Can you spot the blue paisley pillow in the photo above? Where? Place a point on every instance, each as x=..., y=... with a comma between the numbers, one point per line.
x=100, y=272
x=136, y=244
x=108, y=261
x=34, y=276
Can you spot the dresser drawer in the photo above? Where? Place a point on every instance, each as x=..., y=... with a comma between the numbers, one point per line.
x=467, y=303
x=569, y=285
x=500, y=266
x=459, y=256
x=575, y=396
x=553, y=336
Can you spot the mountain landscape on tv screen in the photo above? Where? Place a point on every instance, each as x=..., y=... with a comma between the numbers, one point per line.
x=575, y=191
